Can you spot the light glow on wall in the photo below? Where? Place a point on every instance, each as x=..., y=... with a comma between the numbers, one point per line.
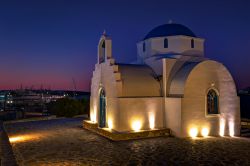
x=93, y=115
x=204, y=132
x=222, y=127
x=110, y=124
x=151, y=120
x=136, y=125
x=231, y=129
x=193, y=132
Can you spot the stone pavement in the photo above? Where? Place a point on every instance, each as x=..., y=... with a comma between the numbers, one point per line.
x=7, y=157
x=65, y=142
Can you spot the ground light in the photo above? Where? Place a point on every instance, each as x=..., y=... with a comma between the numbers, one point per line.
x=222, y=127
x=93, y=116
x=193, y=132
x=22, y=138
x=204, y=132
x=136, y=125
x=110, y=124
x=16, y=139
x=231, y=129
x=151, y=121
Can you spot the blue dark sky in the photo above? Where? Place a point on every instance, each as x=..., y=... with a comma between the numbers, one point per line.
x=49, y=42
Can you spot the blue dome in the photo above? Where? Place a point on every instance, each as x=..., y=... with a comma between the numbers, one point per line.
x=169, y=30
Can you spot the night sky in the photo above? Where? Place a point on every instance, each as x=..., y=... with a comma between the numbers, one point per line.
x=47, y=43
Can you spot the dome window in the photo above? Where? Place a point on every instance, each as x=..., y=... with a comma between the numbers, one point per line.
x=165, y=43
x=192, y=43
x=144, y=47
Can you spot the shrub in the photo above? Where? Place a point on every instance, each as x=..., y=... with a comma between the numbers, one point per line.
x=68, y=107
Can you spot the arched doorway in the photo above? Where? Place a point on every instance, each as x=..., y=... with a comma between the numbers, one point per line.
x=102, y=109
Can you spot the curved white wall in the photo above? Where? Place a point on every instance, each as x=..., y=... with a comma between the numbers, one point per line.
x=210, y=74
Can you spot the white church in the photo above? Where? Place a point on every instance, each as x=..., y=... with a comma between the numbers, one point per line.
x=171, y=85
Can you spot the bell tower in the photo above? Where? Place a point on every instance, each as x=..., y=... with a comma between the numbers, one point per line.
x=104, y=48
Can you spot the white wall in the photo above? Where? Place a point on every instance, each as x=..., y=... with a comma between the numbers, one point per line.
x=209, y=74
x=140, y=109
x=173, y=115
x=176, y=44
x=104, y=77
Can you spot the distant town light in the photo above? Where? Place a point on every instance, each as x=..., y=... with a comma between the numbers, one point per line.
x=193, y=132
x=204, y=132
x=136, y=125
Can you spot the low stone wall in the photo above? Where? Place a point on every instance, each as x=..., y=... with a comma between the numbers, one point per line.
x=119, y=136
x=245, y=128
x=7, y=155
x=245, y=123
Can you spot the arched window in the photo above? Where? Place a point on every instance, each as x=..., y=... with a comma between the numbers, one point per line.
x=144, y=47
x=212, y=102
x=192, y=43
x=166, y=43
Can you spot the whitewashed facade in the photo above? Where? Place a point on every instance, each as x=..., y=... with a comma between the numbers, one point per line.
x=172, y=85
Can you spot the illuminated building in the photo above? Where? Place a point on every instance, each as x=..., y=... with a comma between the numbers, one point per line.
x=170, y=85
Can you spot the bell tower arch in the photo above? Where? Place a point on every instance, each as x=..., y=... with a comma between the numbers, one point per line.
x=104, y=48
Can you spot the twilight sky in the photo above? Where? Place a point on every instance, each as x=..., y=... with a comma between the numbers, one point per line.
x=49, y=42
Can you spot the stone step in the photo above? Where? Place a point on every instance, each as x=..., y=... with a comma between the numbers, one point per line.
x=122, y=136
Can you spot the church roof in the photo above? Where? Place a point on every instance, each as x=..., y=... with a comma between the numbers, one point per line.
x=179, y=80
x=169, y=30
x=139, y=80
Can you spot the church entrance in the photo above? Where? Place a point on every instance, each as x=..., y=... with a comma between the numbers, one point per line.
x=102, y=109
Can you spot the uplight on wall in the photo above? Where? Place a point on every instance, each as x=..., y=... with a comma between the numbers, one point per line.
x=110, y=124
x=93, y=116
x=204, y=132
x=151, y=120
x=193, y=132
x=222, y=127
x=231, y=129
x=136, y=125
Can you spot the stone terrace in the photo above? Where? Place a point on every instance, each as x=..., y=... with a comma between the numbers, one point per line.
x=65, y=142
